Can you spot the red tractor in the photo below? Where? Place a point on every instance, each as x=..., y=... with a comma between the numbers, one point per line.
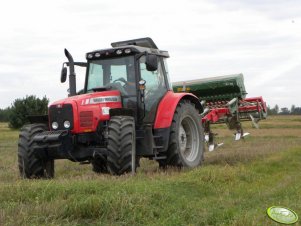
x=128, y=110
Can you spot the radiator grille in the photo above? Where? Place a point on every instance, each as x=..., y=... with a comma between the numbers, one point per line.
x=86, y=118
x=61, y=114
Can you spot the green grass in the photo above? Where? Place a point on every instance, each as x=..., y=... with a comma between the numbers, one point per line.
x=235, y=186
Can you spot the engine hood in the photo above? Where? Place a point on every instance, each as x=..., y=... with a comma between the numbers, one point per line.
x=85, y=111
x=91, y=98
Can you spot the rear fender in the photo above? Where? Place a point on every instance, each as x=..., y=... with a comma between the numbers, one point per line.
x=168, y=105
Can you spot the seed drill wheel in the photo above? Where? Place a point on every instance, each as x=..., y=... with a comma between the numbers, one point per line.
x=121, y=145
x=186, y=141
x=30, y=166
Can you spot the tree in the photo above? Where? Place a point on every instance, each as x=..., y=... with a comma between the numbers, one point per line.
x=273, y=111
x=269, y=110
x=296, y=111
x=293, y=109
x=4, y=114
x=22, y=108
x=276, y=109
x=284, y=111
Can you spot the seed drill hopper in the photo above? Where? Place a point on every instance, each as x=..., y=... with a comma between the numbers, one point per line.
x=224, y=101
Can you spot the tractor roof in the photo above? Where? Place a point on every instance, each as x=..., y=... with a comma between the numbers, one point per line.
x=140, y=45
x=142, y=42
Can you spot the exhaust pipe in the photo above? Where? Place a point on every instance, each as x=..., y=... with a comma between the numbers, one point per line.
x=72, y=80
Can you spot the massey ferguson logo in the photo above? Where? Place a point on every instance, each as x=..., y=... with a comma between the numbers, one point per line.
x=107, y=99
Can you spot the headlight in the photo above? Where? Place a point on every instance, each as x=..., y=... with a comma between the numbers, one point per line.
x=127, y=51
x=55, y=125
x=67, y=124
x=119, y=51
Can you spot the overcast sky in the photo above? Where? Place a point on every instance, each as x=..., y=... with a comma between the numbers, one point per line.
x=259, y=38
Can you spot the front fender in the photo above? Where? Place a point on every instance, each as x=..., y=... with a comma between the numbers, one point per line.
x=168, y=105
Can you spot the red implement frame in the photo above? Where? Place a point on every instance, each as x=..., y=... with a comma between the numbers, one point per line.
x=220, y=110
x=232, y=113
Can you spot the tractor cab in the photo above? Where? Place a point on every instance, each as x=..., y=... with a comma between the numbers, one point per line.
x=136, y=68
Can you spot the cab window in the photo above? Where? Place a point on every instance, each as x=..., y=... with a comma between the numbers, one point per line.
x=155, y=88
x=117, y=72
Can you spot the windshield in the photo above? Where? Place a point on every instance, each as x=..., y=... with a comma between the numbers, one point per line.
x=118, y=73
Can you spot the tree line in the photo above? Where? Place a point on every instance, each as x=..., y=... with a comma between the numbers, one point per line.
x=284, y=111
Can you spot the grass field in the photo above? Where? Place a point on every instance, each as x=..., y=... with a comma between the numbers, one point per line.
x=235, y=185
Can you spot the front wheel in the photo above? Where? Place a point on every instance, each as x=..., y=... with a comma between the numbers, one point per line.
x=30, y=166
x=121, y=145
x=186, y=144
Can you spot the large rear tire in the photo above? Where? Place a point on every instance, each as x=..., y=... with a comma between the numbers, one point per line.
x=186, y=141
x=121, y=144
x=30, y=166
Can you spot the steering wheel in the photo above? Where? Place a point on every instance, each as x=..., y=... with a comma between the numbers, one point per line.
x=116, y=86
x=121, y=80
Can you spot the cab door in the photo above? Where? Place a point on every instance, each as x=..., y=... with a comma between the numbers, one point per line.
x=155, y=88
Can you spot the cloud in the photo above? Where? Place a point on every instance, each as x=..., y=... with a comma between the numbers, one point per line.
x=260, y=39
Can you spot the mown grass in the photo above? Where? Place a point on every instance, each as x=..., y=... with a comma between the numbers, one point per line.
x=235, y=186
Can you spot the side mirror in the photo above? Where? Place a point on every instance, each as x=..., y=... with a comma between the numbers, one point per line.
x=63, y=74
x=151, y=62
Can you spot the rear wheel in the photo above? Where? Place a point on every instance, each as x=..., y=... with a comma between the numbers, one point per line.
x=121, y=144
x=186, y=145
x=30, y=166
